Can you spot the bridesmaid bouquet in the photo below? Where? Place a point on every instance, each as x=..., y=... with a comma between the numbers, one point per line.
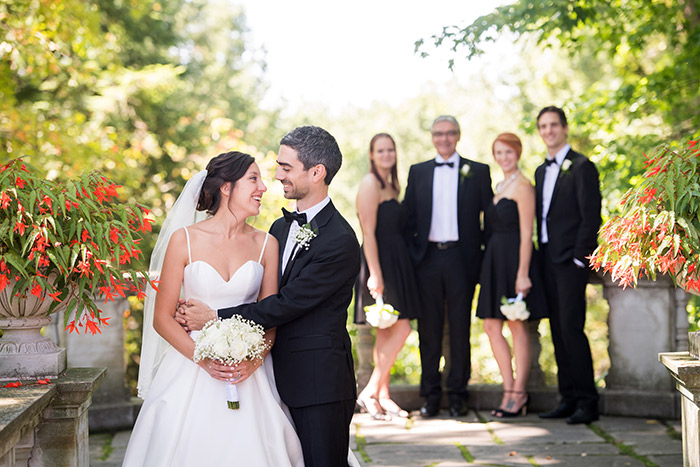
x=230, y=341
x=381, y=315
x=514, y=309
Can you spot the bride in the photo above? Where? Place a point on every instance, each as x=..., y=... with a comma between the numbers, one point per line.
x=222, y=260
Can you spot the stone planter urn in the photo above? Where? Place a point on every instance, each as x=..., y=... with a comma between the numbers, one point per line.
x=24, y=353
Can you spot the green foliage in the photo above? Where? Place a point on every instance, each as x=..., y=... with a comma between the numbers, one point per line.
x=658, y=229
x=70, y=241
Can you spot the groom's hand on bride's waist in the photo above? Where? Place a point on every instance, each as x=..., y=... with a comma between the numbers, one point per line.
x=193, y=314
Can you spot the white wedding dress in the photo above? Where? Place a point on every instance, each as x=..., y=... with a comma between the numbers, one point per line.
x=185, y=420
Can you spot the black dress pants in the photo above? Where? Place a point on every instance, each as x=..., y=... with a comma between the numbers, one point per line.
x=565, y=287
x=446, y=291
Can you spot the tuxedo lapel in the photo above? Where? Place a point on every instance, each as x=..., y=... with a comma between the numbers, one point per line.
x=560, y=176
x=426, y=197
x=317, y=223
x=282, y=240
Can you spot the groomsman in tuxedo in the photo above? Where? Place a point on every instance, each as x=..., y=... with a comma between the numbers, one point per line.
x=568, y=218
x=446, y=197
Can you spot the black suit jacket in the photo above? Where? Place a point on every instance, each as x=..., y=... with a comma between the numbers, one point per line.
x=312, y=352
x=473, y=195
x=574, y=218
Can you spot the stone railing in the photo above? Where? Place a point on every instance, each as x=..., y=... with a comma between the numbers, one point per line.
x=46, y=425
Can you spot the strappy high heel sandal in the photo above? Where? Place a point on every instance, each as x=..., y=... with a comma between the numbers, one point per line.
x=499, y=411
x=522, y=410
x=373, y=408
x=392, y=408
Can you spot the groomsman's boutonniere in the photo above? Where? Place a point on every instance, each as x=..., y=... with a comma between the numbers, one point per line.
x=566, y=165
x=304, y=235
x=464, y=172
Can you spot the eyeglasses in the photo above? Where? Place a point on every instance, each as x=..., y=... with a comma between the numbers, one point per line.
x=440, y=134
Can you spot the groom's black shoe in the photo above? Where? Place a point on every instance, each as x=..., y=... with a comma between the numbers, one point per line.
x=458, y=406
x=565, y=409
x=430, y=409
x=583, y=415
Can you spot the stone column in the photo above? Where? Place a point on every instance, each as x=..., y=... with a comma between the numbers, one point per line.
x=62, y=434
x=685, y=370
x=112, y=407
x=642, y=323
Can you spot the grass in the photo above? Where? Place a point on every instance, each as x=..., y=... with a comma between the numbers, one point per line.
x=624, y=448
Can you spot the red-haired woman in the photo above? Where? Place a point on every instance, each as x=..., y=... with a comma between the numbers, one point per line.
x=507, y=271
x=387, y=271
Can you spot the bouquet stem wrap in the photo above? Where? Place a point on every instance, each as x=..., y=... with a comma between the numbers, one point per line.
x=232, y=398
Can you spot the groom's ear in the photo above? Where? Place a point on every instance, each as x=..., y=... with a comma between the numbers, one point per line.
x=318, y=173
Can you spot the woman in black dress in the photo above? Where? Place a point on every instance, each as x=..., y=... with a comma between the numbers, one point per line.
x=386, y=270
x=508, y=270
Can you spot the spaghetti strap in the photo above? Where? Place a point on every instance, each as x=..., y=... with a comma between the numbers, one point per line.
x=189, y=252
x=267, y=235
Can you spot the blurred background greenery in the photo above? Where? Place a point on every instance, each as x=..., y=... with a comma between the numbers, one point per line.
x=146, y=92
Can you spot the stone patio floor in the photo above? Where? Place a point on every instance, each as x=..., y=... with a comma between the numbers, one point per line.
x=479, y=439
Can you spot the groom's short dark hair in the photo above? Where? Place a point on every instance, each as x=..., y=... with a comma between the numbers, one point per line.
x=315, y=146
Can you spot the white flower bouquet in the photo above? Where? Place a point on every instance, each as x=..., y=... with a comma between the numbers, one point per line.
x=514, y=309
x=381, y=315
x=230, y=341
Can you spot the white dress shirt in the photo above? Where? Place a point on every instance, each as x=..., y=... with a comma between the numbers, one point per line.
x=310, y=214
x=551, y=172
x=443, y=221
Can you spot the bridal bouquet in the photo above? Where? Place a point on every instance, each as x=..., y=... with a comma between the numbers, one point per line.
x=381, y=315
x=230, y=341
x=514, y=309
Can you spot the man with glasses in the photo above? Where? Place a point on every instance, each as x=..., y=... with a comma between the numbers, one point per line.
x=446, y=197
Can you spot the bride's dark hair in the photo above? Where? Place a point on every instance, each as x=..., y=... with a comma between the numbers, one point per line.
x=228, y=167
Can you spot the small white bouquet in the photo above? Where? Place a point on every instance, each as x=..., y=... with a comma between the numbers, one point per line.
x=514, y=309
x=230, y=341
x=381, y=315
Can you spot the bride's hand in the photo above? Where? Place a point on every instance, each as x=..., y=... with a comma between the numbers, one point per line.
x=218, y=370
x=243, y=370
x=375, y=284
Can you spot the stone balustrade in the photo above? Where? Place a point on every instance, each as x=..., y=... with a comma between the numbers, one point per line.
x=47, y=425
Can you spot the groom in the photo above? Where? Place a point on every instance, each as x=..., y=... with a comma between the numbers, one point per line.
x=312, y=353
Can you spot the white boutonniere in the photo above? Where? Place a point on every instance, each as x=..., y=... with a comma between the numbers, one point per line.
x=464, y=171
x=304, y=235
x=566, y=165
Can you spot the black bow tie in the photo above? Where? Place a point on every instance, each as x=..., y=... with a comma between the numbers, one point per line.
x=442, y=164
x=300, y=217
x=548, y=162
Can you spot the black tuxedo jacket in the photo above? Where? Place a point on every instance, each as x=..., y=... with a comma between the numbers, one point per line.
x=312, y=352
x=574, y=218
x=473, y=195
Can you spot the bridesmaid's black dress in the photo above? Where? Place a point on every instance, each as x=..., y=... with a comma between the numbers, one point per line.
x=400, y=290
x=500, y=266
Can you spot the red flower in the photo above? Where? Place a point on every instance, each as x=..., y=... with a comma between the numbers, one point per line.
x=19, y=227
x=37, y=290
x=4, y=282
x=14, y=384
x=114, y=235
x=691, y=144
x=5, y=200
x=55, y=296
x=85, y=235
x=70, y=204
x=19, y=183
x=43, y=381
x=648, y=195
